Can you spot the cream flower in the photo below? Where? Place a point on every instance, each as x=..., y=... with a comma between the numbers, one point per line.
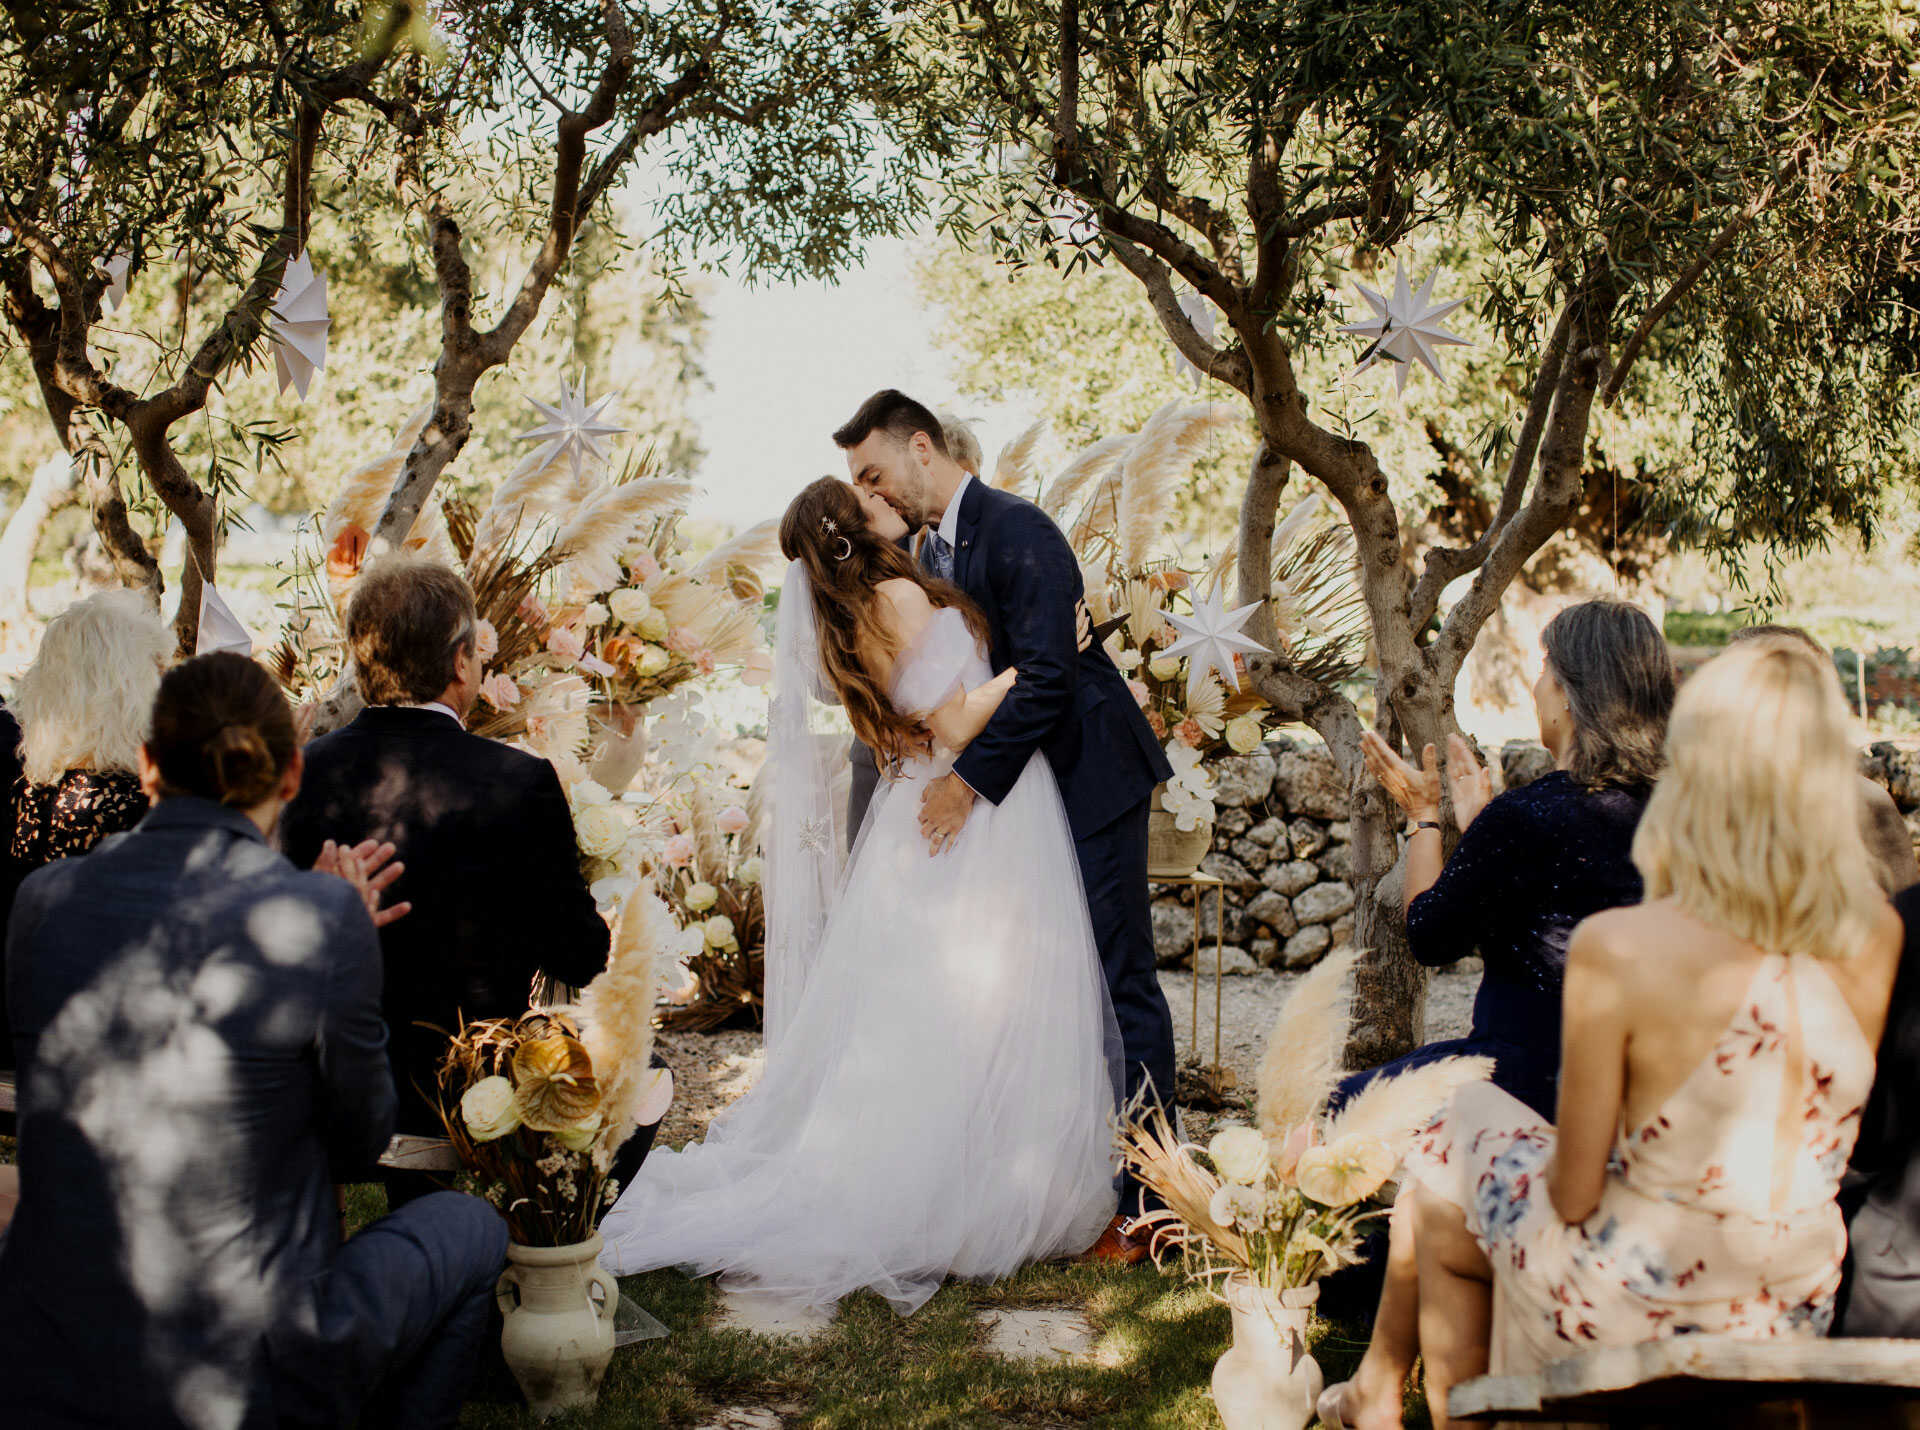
x=1164, y=667
x=679, y=851
x=750, y=870
x=654, y=626
x=487, y=1109
x=589, y=792
x=719, y=931
x=701, y=897
x=629, y=606
x=601, y=831
x=1244, y=734
x=1347, y=1170
x=1127, y=658
x=1235, y=1205
x=652, y=661
x=1239, y=1154
x=595, y=614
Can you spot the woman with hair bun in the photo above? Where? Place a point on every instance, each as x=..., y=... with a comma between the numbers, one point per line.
x=201, y=1058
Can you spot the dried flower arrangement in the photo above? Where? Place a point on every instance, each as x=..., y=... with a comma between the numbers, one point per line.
x=1284, y=1202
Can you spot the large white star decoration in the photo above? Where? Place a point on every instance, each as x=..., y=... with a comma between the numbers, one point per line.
x=1405, y=328
x=116, y=270
x=299, y=324
x=574, y=429
x=1209, y=638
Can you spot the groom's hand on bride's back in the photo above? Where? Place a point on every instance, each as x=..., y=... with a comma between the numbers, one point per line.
x=943, y=811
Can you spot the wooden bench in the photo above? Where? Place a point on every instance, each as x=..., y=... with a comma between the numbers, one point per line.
x=1697, y=1381
x=404, y=1153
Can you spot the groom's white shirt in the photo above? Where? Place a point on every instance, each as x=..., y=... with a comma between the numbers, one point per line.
x=950, y=518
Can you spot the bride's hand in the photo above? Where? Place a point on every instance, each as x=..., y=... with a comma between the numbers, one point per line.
x=996, y=689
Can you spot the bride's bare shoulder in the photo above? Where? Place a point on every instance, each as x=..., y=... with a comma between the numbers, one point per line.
x=904, y=607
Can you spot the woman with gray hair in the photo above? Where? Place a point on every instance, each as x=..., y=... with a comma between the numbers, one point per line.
x=83, y=707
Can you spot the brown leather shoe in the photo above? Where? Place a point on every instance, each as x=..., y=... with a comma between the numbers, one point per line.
x=1115, y=1247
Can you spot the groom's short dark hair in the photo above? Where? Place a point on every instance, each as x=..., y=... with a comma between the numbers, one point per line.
x=893, y=412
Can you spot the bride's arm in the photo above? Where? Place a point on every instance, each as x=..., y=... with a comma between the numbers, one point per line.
x=964, y=716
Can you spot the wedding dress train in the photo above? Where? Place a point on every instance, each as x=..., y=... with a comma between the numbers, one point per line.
x=939, y=1100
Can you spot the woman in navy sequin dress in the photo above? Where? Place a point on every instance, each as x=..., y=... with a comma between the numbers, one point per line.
x=1536, y=860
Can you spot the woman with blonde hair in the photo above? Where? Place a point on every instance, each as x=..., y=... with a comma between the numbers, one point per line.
x=83, y=707
x=1719, y=1046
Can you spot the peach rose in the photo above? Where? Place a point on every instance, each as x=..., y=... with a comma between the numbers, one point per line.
x=732, y=820
x=1190, y=733
x=486, y=641
x=566, y=644
x=499, y=691
x=679, y=851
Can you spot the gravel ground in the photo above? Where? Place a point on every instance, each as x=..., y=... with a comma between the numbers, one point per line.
x=710, y=1070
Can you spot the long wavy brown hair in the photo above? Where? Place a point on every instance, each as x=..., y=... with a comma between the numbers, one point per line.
x=826, y=530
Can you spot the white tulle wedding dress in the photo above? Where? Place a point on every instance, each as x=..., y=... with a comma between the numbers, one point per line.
x=939, y=1093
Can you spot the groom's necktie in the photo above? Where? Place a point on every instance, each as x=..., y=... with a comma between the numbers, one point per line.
x=938, y=556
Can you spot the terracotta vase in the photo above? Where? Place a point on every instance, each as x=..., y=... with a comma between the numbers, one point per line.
x=1266, y=1380
x=559, y=1307
x=1172, y=852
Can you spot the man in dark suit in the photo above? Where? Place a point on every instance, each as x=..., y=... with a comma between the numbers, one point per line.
x=492, y=868
x=1015, y=564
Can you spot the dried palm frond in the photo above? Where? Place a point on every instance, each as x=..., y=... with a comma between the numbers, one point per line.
x=1393, y=1109
x=1302, y=1057
x=1091, y=463
x=1013, y=468
x=752, y=552
x=554, y=708
x=729, y=989
x=1318, y=606
x=595, y=532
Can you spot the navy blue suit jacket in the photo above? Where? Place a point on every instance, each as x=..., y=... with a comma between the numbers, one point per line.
x=1070, y=705
x=201, y=1058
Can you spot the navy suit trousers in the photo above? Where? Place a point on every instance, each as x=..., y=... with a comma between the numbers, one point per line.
x=1113, y=867
x=405, y=1306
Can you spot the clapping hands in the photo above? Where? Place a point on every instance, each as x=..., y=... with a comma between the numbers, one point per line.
x=370, y=867
x=1416, y=789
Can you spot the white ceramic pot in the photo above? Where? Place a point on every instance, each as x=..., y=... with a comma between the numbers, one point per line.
x=1266, y=1380
x=559, y=1307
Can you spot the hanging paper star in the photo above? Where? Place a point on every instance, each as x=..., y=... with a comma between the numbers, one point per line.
x=1405, y=328
x=116, y=270
x=574, y=429
x=299, y=325
x=1209, y=638
x=1199, y=312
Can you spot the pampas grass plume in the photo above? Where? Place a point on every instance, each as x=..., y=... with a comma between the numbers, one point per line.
x=1014, y=465
x=616, y=1016
x=1089, y=464
x=1393, y=1109
x=1297, y=1070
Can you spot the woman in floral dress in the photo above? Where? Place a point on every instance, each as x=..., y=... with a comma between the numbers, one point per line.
x=1719, y=1045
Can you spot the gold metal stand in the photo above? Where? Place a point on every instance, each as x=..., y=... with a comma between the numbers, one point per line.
x=1215, y=1076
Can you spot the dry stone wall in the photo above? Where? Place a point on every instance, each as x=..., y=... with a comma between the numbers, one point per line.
x=1281, y=844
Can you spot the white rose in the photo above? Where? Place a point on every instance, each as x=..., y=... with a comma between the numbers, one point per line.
x=588, y=792
x=1244, y=734
x=1164, y=667
x=654, y=626
x=1128, y=659
x=629, y=606
x=719, y=931
x=487, y=1109
x=652, y=661
x=601, y=831
x=750, y=870
x=701, y=897
x=1239, y=1154
x=693, y=940
x=595, y=614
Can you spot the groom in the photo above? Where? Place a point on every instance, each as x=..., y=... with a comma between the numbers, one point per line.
x=1073, y=707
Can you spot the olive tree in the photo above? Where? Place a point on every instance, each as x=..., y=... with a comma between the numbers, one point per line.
x=1731, y=184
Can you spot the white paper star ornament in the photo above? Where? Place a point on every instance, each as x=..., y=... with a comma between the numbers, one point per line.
x=299, y=325
x=1210, y=637
x=575, y=429
x=116, y=270
x=1405, y=328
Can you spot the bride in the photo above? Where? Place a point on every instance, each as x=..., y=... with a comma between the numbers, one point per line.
x=942, y=1060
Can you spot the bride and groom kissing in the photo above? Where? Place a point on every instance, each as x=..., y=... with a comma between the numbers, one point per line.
x=957, y=1009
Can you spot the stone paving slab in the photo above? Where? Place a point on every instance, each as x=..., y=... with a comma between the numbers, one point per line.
x=1042, y=1333
x=764, y=1317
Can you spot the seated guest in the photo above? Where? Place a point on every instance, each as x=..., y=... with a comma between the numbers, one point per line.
x=82, y=707
x=1535, y=861
x=1719, y=1047
x=492, y=868
x=1889, y=842
x=1881, y=1296
x=202, y=1057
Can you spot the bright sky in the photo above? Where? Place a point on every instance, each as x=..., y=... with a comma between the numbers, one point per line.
x=789, y=363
